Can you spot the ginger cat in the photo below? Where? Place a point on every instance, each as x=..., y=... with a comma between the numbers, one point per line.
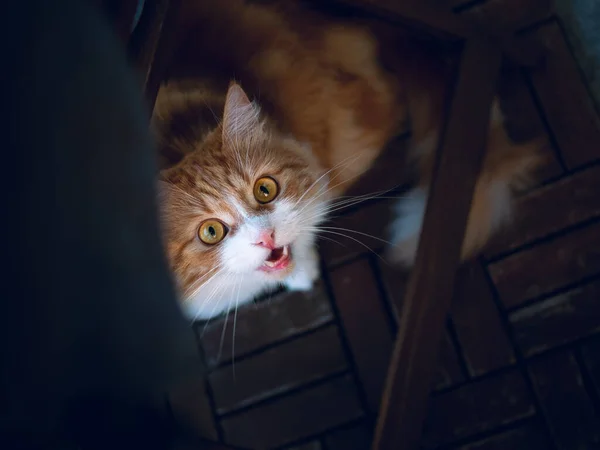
x=250, y=181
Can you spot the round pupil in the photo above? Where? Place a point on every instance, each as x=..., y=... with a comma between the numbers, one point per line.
x=264, y=190
x=212, y=231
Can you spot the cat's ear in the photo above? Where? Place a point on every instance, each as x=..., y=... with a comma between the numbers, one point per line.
x=241, y=116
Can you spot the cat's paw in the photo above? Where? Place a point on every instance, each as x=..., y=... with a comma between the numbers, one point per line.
x=305, y=274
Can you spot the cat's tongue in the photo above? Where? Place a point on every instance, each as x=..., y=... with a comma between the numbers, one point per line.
x=278, y=259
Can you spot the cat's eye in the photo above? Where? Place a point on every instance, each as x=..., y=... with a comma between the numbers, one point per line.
x=265, y=190
x=212, y=231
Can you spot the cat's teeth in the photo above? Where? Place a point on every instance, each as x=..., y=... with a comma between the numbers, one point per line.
x=285, y=250
x=270, y=263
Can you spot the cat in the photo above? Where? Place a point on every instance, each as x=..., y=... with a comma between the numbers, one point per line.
x=246, y=185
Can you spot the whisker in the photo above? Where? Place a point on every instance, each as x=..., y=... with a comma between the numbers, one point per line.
x=329, y=189
x=357, y=232
x=345, y=160
x=223, y=336
x=198, y=283
x=357, y=241
x=235, y=325
x=347, y=203
x=332, y=240
x=215, y=306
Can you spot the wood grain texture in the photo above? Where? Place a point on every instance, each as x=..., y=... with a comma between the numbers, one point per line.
x=528, y=437
x=566, y=260
x=366, y=325
x=558, y=320
x=565, y=99
x=427, y=303
x=429, y=17
x=550, y=209
x=506, y=15
x=152, y=42
x=590, y=352
x=281, y=317
x=302, y=414
x=476, y=408
x=479, y=329
x=277, y=370
x=568, y=409
x=449, y=371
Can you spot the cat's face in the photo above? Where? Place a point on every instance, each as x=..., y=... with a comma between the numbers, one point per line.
x=244, y=204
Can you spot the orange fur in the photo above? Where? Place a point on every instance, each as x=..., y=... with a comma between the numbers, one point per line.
x=324, y=83
x=214, y=178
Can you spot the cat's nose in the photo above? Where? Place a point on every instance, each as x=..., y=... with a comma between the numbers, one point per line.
x=266, y=239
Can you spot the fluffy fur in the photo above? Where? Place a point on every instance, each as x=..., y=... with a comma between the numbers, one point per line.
x=331, y=97
x=215, y=181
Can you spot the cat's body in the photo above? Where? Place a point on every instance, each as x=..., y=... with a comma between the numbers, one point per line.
x=327, y=109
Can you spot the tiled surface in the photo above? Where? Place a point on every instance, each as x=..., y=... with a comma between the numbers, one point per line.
x=520, y=360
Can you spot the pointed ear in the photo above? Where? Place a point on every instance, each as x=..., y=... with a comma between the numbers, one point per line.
x=241, y=116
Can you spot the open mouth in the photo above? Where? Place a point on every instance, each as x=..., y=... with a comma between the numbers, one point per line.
x=278, y=259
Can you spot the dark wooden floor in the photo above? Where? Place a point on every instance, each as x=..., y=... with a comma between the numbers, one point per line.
x=520, y=363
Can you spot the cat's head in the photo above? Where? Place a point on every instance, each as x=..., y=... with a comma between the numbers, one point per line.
x=242, y=204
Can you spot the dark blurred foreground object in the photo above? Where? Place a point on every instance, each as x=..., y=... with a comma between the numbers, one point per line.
x=91, y=332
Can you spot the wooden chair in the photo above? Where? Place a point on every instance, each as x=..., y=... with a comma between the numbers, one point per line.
x=459, y=157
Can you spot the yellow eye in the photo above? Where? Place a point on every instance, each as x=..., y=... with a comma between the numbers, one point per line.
x=265, y=190
x=212, y=232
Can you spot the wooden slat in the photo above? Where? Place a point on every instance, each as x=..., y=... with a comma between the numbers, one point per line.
x=263, y=324
x=427, y=15
x=152, y=43
x=479, y=329
x=299, y=415
x=277, y=370
x=477, y=407
x=590, y=353
x=528, y=437
x=567, y=260
x=431, y=286
x=550, y=209
x=566, y=100
x=507, y=15
x=568, y=409
x=365, y=324
x=449, y=371
x=557, y=320
x=417, y=13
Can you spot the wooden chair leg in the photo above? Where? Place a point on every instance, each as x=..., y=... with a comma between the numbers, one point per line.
x=429, y=292
x=151, y=46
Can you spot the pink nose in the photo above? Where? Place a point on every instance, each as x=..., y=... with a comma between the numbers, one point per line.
x=266, y=239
